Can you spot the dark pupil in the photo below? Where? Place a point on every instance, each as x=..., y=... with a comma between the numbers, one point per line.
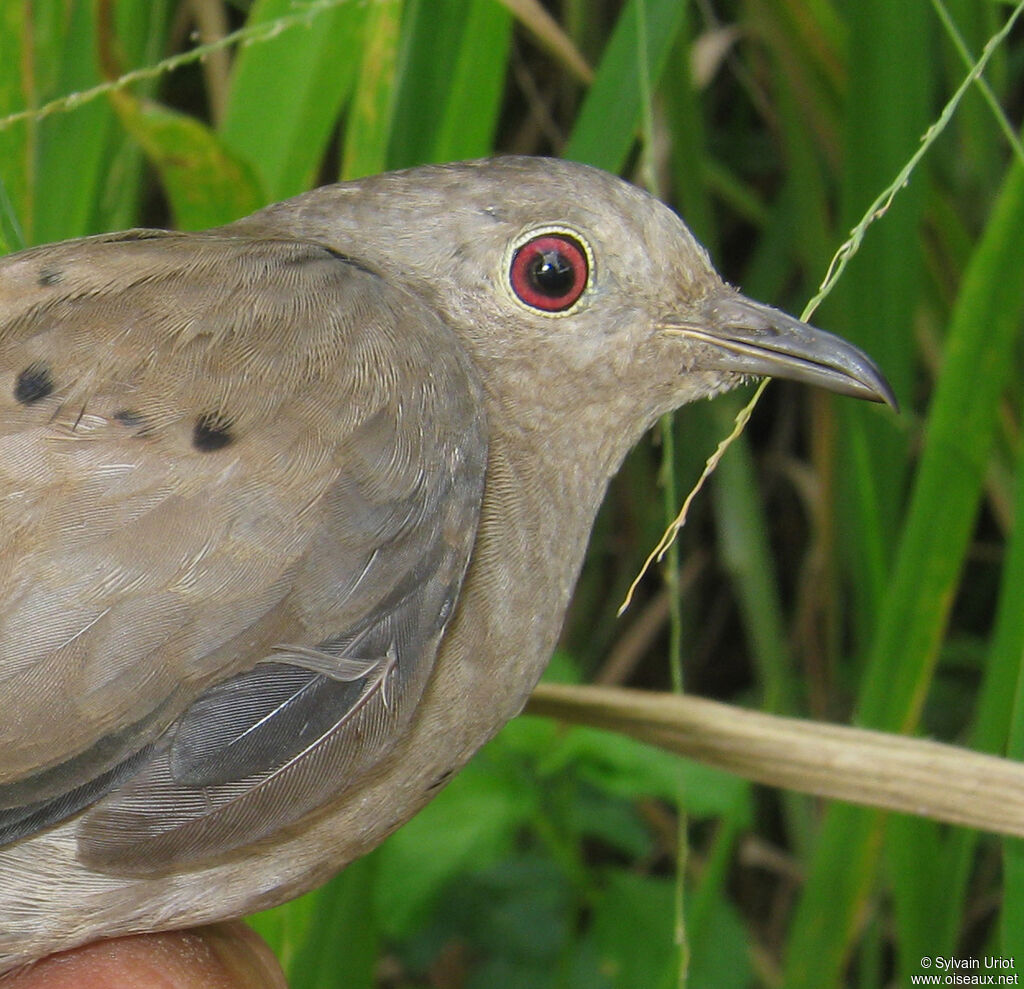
x=551, y=273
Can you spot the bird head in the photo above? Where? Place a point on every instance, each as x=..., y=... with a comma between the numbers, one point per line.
x=574, y=288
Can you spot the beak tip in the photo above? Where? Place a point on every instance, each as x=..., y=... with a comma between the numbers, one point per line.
x=877, y=389
x=890, y=399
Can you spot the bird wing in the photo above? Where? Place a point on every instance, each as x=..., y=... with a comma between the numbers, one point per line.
x=239, y=486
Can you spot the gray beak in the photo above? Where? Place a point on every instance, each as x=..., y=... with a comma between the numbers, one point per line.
x=747, y=337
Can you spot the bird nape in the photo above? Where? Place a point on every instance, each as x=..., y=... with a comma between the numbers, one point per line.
x=292, y=511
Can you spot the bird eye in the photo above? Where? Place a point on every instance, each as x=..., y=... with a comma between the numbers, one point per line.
x=550, y=271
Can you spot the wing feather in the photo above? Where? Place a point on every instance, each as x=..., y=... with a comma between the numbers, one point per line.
x=210, y=447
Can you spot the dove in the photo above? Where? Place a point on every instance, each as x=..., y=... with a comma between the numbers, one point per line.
x=291, y=512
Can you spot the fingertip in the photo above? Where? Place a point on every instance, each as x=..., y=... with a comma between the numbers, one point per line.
x=221, y=956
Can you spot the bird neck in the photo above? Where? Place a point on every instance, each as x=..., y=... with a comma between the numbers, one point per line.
x=540, y=499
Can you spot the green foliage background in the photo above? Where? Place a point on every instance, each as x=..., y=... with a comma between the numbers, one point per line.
x=846, y=564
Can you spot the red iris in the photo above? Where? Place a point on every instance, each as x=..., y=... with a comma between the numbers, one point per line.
x=549, y=272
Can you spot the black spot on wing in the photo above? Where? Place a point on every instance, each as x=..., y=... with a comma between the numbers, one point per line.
x=50, y=276
x=130, y=418
x=33, y=384
x=212, y=431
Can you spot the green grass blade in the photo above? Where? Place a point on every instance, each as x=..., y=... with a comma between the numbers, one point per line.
x=946, y=494
x=368, y=127
x=745, y=551
x=470, y=119
x=451, y=75
x=94, y=187
x=205, y=184
x=330, y=932
x=286, y=93
x=606, y=127
x=16, y=141
x=1007, y=666
x=888, y=52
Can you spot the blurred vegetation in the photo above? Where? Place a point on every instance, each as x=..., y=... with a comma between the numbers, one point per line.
x=845, y=564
